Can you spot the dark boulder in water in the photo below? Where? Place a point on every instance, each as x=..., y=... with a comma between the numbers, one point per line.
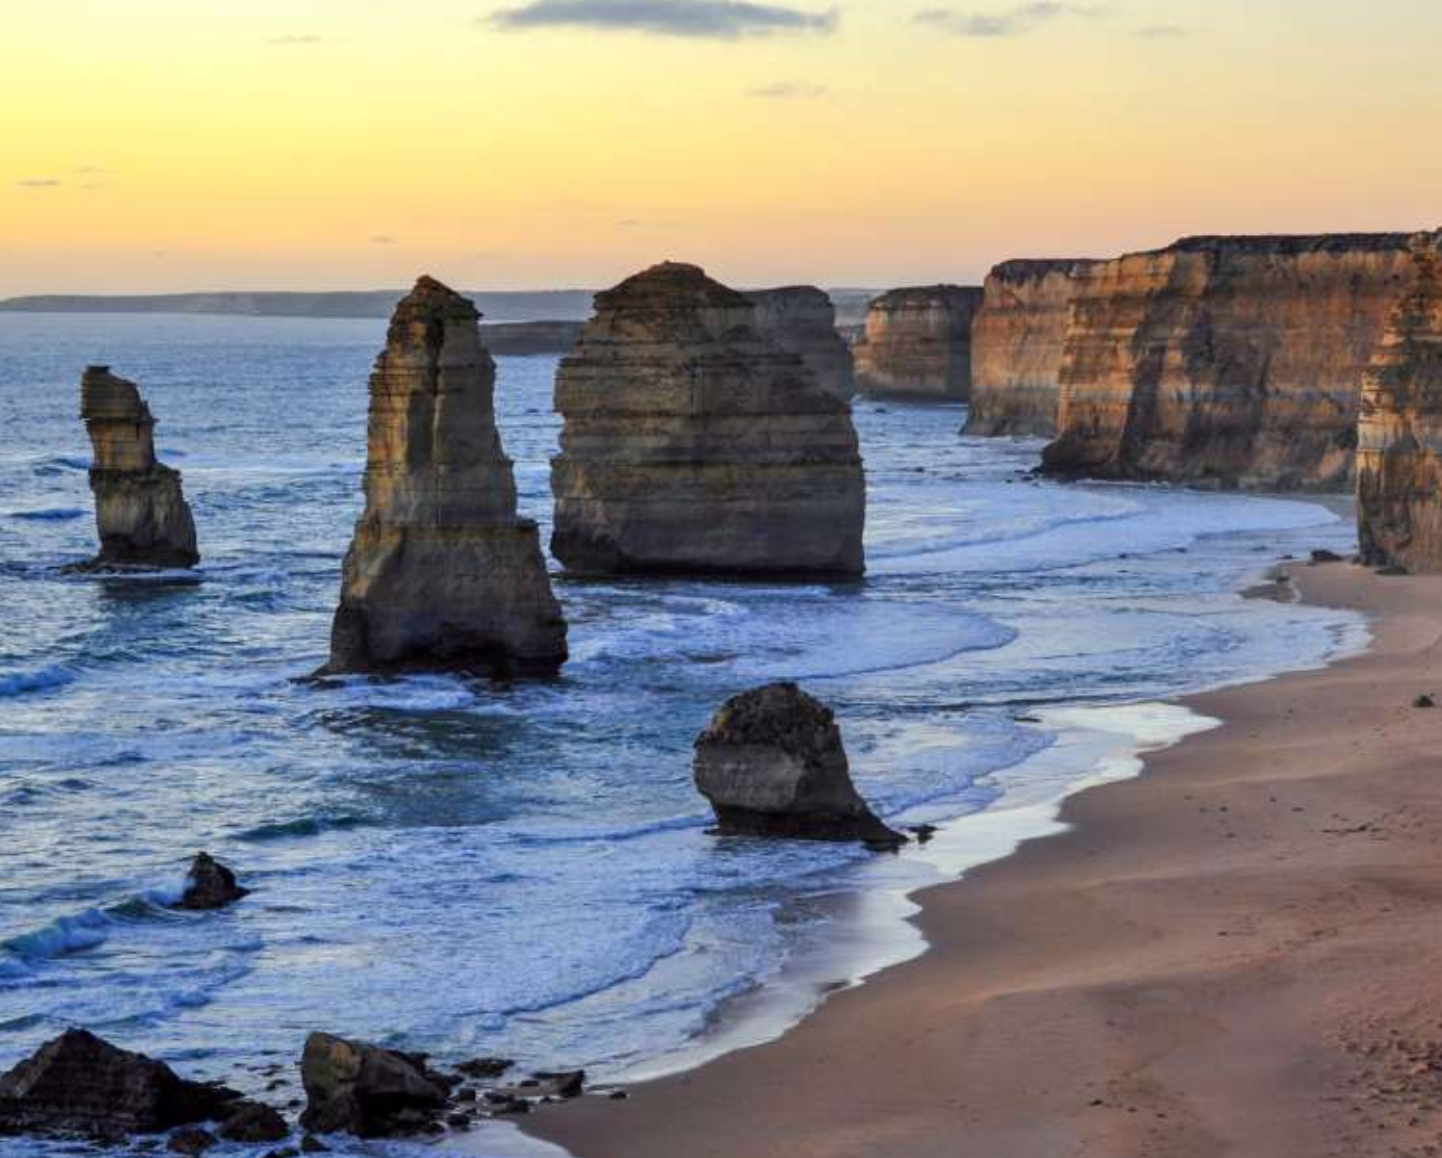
x=79, y=1084
x=368, y=1091
x=254, y=1122
x=209, y=885
x=771, y=763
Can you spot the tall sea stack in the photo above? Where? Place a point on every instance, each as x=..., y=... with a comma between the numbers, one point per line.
x=802, y=320
x=917, y=344
x=1234, y=361
x=1017, y=341
x=441, y=572
x=1399, y=433
x=692, y=443
x=140, y=511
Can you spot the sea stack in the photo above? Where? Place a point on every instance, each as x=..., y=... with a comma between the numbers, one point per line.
x=1399, y=433
x=802, y=320
x=917, y=344
x=1017, y=342
x=1229, y=361
x=693, y=443
x=442, y=574
x=140, y=512
x=771, y=763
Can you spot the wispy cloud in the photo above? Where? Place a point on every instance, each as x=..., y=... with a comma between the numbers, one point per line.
x=1015, y=21
x=788, y=90
x=92, y=170
x=39, y=182
x=643, y=223
x=296, y=40
x=382, y=239
x=712, y=19
x=1164, y=32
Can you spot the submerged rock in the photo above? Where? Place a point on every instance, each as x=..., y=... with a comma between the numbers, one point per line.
x=802, y=320
x=365, y=1090
x=140, y=512
x=209, y=885
x=80, y=1084
x=441, y=572
x=254, y=1122
x=917, y=344
x=692, y=443
x=771, y=763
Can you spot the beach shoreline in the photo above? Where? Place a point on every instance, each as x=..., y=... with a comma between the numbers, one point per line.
x=1175, y=973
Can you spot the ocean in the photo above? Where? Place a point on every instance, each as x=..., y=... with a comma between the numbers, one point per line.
x=465, y=869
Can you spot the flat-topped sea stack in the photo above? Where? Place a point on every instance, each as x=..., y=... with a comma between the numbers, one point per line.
x=442, y=574
x=693, y=443
x=1399, y=433
x=917, y=344
x=141, y=514
x=1017, y=341
x=1226, y=361
x=801, y=319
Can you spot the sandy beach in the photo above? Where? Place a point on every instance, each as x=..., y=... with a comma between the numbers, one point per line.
x=1233, y=953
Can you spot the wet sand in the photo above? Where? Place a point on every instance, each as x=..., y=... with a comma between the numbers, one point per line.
x=1234, y=953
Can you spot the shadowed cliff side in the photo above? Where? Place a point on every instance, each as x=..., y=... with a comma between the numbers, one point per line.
x=1399, y=433
x=1235, y=362
x=801, y=320
x=917, y=344
x=441, y=572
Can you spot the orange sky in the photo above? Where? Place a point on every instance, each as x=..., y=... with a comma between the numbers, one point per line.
x=155, y=145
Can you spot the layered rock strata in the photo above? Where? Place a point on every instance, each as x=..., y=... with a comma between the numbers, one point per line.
x=140, y=511
x=692, y=443
x=1230, y=361
x=917, y=344
x=1399, y=432
x=1017, y=341
x=441, y=572
x=771, y=763
x=802, y=320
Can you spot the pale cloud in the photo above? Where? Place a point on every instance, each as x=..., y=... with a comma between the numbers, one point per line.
x=711, y=19
x=1015, y=21
x=788, y=90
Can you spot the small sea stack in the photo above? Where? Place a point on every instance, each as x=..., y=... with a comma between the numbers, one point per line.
x=771, y=763
x=801, y=319
x=1399, y=432
x=441, y=573
x=693, y=443
x=917, y=344
x=141, y=514
x=209, y=885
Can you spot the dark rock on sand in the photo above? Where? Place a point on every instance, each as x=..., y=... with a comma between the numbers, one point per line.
x=1322, y=555
x=209, y=885
x=485, y=1067
x=365, y=1090
x=771, y=763
x=1424, y=701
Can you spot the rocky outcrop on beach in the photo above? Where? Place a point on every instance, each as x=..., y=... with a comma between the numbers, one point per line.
x=441, y=572
x=801, y=320
x=209, y=885
x=692, y=443
x=1230, y=361
x=140, y=512
x=1017, y=341
x=918, y=344
x=79, y=1084
x=771, y=763
x=362, y=1089
x=1399, y=433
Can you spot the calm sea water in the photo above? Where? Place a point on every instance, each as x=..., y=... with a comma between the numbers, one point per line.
x=464, y=869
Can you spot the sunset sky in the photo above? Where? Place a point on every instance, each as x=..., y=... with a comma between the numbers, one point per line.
x=154, y=145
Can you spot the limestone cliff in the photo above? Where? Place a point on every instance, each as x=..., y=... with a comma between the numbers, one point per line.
x=441, y=572
x=1017, y=341
x=1230, y=361
x=693, y=443
x=917, y=344
x=1399, y=433
x=140, y=511
x=802, y=320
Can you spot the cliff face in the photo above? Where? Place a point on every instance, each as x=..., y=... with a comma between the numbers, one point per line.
x=441, y=572
x=1399, y=433
x=801, y=320
x=1230, y=361
x=917, y=344
x=693, y=443
x=140, y=511
x=1017, y=341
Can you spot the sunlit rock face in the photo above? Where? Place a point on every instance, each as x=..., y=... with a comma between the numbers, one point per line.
x=1017, y=342
x=802, y=320
x=1230, y=361
x=917, y=344
x=693, y=443
x=1399, y=433
x=140, y=511
x=441, y=572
